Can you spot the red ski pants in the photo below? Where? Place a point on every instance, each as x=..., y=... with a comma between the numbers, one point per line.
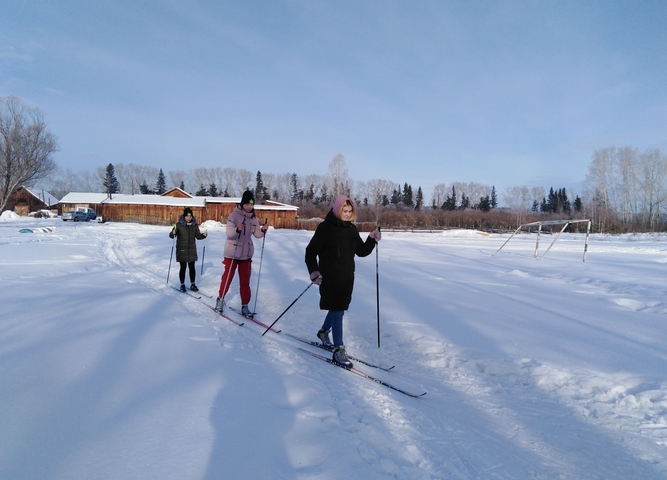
x=244, y=267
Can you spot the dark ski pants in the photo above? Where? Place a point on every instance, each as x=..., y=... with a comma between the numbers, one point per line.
x=181, y=272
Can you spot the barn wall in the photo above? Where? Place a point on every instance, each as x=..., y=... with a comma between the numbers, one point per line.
x=23, y=203
x=167, y=215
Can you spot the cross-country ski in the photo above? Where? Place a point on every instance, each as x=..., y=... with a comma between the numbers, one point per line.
x=362, y=374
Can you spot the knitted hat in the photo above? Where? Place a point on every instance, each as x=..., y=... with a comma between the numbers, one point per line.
x=187, y=211
x=247, y=197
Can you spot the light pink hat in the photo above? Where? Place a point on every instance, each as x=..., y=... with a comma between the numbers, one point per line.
x=339, y=203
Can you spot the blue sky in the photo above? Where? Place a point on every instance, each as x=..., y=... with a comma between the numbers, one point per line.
x=507, y=93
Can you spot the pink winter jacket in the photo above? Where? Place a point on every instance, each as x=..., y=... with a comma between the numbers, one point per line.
x=240, y=246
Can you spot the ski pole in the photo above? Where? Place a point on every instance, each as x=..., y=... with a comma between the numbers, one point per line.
x=285, y=311
x=377, y=285
x=171, y=256
x=259, y=274
x=203, y=254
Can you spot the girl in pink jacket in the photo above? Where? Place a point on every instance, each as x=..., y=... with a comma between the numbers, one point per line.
x=242, y=225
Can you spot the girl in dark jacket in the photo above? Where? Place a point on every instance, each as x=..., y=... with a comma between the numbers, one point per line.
x=330, y=261
x=186, y=231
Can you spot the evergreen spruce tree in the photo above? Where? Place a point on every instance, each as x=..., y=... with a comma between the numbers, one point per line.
x=450, y=201
x=110, y=182
x=552, y=201
x=396, y=196
x=578, y=204
x=310, y=194
x=161, y=184
x=261, y=192
x=494, y=198
x=465, y=202
x=202, y=192
x=294, y=184
x=563, y=201
x=419, y=200
x=324, y=195
x=182, y=185
x=407, y=196
x=484, y=204
x=143, y=188
x=544, y=206
x=213, y=190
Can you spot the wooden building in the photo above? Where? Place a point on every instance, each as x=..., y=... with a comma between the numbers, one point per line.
x=165, y=209
x=26, y=201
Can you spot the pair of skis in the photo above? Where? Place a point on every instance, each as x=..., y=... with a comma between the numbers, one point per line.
x=317, y=355
x=350, y=369
x=187, y=292
x=198, y=296
x=363, y=374
x=252, y=318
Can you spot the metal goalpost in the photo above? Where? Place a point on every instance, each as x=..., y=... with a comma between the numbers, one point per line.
x=565, y=223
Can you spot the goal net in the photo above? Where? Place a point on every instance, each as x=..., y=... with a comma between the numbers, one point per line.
x=539, y=226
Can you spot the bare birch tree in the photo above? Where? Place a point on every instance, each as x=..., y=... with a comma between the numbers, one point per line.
x=339, y=176
x=626, y=160
x=244, y=180
x=518, y=199
x=653, y=180
x=26, y=147
x=229, y=181
x=203, y=177
x=176, y=177
x=269, y=180
x=439, y=195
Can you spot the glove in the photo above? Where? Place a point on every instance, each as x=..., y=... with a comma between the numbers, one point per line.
x=316, y=277
x=376, y=235
x=264, y=228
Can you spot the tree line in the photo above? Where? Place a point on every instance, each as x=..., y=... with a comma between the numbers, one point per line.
x=625, y=189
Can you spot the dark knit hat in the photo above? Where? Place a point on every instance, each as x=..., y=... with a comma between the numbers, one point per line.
x=247, y=197
x=187, y=211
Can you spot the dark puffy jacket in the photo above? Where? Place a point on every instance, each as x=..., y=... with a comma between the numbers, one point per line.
x=186, y=250
x=336, y=243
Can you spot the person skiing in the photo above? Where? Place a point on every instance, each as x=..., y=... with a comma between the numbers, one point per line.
x=330, y=262
x=186, y=230
x=242, y=225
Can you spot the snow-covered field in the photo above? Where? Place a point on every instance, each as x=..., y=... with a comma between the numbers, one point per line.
x=534, y=369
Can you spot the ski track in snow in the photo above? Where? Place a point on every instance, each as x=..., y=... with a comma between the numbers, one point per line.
x=488, y=413
x=486, y=381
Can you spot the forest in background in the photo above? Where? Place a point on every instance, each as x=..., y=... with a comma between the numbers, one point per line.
x=624, y=191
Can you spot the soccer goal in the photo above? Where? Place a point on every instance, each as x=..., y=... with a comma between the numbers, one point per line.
x=539, y=226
